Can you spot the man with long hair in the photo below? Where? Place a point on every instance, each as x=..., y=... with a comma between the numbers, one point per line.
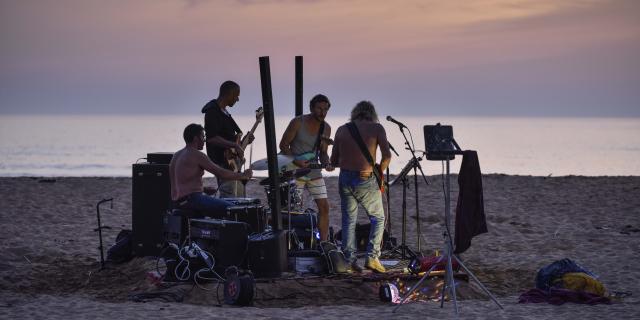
x=358, y=184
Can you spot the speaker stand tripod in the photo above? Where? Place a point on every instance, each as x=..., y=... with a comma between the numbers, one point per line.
x=448, y=257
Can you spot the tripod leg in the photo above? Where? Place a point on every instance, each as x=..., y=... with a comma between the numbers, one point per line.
x=478, y=282
x=452, y=282
x=426, y=275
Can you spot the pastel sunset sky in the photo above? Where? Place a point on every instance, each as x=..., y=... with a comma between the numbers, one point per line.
x=469, y=58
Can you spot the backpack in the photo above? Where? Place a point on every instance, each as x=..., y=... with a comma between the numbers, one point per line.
x=336, y=262
x=122, y=250
x=580, y=281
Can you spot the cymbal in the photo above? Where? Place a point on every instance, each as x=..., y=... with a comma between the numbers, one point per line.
x=263, y=164
x=287, y=176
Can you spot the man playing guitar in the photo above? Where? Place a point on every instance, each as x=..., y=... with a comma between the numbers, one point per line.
x=360, y=183
x=224, y=138
x=303, y=136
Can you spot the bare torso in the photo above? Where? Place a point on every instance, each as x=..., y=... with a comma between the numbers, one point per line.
x=186, y=172
x=346, y=153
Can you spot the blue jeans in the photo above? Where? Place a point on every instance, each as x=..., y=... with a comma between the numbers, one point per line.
x=355, y=190
x=206, y=204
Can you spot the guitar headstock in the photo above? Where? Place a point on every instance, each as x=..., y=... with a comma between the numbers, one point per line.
x=259, y=114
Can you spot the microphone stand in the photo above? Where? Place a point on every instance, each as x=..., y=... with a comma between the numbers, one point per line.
x=415, y=164
x=404, y=251
x=388, y=220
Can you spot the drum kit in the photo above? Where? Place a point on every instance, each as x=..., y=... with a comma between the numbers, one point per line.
x=291, y=203
x=291, y=200
x=250, y=210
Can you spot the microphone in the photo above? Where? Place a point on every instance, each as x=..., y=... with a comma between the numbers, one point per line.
x=400, y=124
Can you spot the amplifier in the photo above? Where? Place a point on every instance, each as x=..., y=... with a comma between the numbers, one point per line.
x=159, y=157
x=268, y=254
x=226, y=240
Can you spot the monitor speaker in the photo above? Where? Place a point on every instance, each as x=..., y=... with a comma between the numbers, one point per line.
x=151, y=198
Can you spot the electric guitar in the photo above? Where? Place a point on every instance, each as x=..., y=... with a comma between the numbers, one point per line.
x=235, y=160
x=307, y=156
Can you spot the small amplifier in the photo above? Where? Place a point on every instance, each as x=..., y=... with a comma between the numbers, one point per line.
x=175, y=227
x=226, y=240
x=159, y=157
x=268, y=254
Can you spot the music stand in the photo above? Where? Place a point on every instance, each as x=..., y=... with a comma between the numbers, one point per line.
x=441, y=146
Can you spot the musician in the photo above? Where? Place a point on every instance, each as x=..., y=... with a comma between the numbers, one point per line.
x=303, y=137
x=358, y=184
x=224, y=137
x=185, y=172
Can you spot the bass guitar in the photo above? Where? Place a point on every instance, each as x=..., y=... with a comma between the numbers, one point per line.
x=234, y=159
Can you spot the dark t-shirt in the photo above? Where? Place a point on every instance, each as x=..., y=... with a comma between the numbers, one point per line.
x=217, y=123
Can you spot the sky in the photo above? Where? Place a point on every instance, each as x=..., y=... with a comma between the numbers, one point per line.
x=410, y=58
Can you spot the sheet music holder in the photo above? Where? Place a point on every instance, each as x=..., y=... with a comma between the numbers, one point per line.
x=439, y=142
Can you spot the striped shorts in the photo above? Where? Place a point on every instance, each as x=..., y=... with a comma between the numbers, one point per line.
x=316, y=187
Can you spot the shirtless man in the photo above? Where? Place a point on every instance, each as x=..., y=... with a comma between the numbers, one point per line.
x=358, y=184
x=186, y=170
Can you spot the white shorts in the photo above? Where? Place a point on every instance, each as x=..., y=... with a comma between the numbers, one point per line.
x=317, y=188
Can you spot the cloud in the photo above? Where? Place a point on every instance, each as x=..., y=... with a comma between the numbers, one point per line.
x=179, y=50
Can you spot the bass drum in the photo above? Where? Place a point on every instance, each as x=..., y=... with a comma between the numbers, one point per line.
x=242, y=201
x=254, y=215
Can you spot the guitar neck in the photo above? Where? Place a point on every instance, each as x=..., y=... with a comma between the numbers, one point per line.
x=317, y=166
x=253, y=129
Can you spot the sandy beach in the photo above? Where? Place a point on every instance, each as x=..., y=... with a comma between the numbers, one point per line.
x=49, y=257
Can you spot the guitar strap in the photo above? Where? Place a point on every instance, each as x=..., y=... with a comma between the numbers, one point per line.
x=316, y=145
x=363, y=148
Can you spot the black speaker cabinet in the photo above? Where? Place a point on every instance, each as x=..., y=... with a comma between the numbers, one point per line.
x=225, y=240
x=268, y=254
x=151, y=197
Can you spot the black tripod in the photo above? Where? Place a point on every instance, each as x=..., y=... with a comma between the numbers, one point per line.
x=100, y=227
x=447, y=154
x=414, y=164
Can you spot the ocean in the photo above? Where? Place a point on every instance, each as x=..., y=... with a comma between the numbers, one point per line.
x=98, y=145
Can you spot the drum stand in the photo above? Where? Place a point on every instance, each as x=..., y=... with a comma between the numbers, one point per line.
x=448, y=257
